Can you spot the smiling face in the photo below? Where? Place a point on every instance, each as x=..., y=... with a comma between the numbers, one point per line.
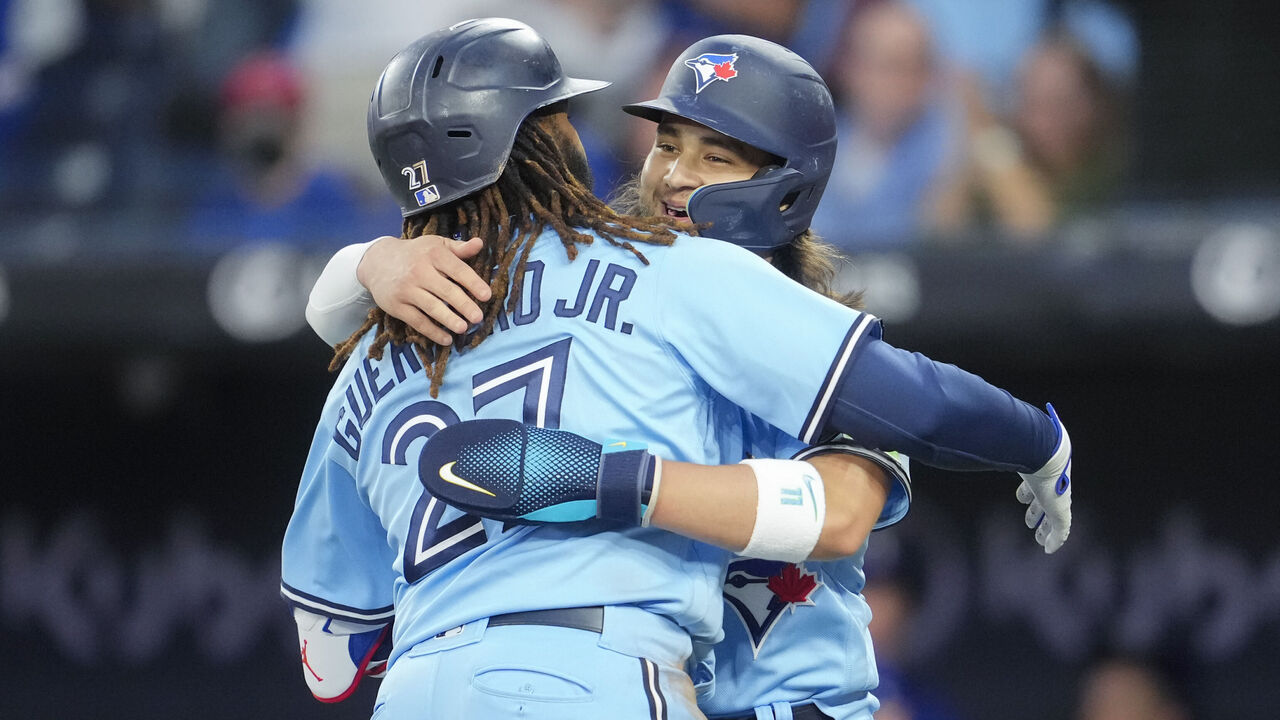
x=687, y=155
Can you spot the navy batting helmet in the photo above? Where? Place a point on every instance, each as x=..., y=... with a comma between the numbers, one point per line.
x=770, y=98
x=445, y=112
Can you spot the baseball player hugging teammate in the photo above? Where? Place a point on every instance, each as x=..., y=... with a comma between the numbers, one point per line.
x=592, y=596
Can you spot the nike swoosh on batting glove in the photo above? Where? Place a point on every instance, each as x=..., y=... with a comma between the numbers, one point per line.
x=510, y=471
x=1047, y=493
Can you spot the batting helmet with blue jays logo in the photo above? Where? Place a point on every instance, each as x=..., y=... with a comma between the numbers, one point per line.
x=770, y=98
x=444, y=114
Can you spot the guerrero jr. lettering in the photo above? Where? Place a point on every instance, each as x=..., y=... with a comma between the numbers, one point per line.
x=598, y=300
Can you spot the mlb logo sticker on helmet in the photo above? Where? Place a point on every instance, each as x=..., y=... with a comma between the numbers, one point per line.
x=710, y=67
x=427, y=195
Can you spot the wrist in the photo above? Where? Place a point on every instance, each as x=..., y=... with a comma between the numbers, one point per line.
x=790, y=510
x=626, y=484
x=362, y=271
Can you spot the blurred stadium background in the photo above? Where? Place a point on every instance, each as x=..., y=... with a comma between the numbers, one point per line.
x=174, y=173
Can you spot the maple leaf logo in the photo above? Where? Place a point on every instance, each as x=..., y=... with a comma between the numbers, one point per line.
x=792, y=585
x=725, y=70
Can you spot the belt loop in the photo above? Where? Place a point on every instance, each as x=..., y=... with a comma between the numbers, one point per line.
x=781, y=711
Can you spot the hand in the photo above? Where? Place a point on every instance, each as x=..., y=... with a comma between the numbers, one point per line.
x=1047, y=493
x=506, y=470
x=426, y=282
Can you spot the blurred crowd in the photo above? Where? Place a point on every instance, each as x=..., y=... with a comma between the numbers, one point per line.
x=243, y=120
x=1112, y=683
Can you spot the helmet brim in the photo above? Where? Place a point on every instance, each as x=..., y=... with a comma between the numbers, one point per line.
x=581, y=86
x=652, y=110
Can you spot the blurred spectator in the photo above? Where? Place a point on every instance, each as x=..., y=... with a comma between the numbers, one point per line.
x=1061, y=156
x=774, y=20
x=210, y=38
x=1130, y=688
x=265, y=188
x=87, y=89
x=987, y=39
x=808, y=27
x=896, y=133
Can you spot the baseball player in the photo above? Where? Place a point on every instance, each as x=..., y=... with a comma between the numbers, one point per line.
x=796, y=637
x=454, y=575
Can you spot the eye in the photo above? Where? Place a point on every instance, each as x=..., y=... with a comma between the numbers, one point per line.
x=719, y=159
x=665, y=147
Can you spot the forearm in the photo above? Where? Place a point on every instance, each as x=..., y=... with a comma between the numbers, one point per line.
x=761, y=508
x=717, y=504
x=938, y=414
x=712, y=503
x=856, y=491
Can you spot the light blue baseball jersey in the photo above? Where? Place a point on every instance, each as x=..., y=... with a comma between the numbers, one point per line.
x=797, y=632
x=605, y=346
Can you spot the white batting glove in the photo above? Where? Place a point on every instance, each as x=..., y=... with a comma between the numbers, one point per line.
x=1047, y=493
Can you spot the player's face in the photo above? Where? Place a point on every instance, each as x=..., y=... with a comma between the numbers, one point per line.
x=687, y=155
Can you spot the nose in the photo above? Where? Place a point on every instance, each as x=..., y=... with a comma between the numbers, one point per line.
x=681, y=175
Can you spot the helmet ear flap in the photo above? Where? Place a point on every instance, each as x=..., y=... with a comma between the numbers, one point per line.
x=749, y=213
x=765, y=170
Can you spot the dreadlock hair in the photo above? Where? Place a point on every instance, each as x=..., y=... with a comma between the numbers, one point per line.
x=537, y=189
x=807, y=259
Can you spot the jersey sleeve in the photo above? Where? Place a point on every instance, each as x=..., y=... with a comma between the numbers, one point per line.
x=335, y=559
x=338, y=303
x=760, y=339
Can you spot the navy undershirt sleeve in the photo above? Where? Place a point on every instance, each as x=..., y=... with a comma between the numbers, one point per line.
x=937, y=414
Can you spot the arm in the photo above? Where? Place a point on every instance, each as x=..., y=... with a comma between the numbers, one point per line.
x=338, y=574
x=718, y=504
x=929, y=410
x=423, y=281
x=773, y=509
x=338, y=303
x=832, y=373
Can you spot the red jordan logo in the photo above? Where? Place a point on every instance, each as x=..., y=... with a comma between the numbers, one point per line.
x=307, y=664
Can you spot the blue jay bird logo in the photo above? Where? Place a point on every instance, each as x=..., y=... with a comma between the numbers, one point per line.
x=760, y=591
x=709, y=67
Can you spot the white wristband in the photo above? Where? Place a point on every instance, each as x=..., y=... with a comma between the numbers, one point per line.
x=791, y=506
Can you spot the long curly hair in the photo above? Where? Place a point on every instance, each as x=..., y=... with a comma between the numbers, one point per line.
x=536, y=190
